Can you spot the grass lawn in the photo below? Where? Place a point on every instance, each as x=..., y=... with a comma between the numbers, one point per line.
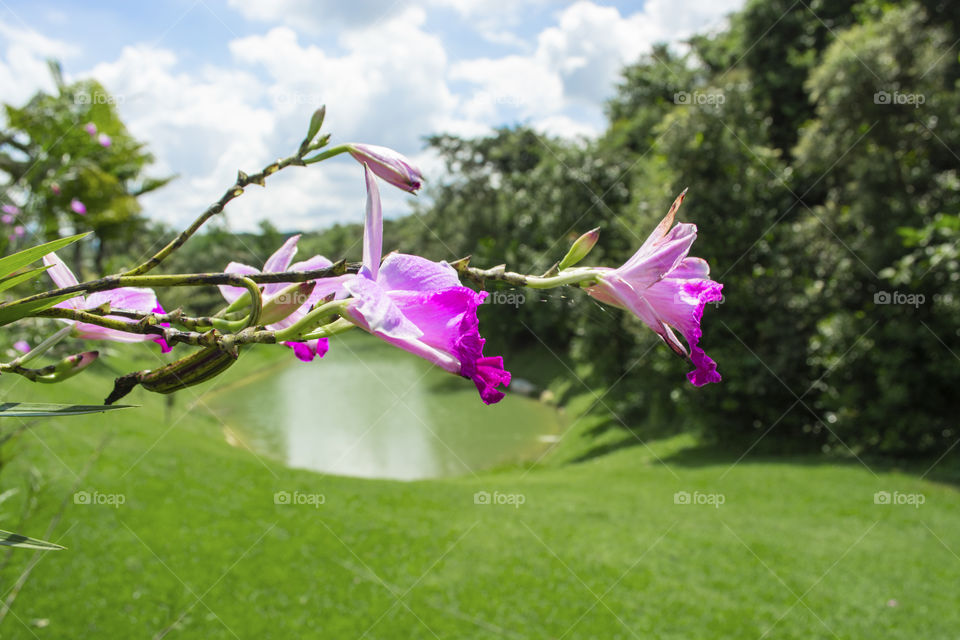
x=597, y=549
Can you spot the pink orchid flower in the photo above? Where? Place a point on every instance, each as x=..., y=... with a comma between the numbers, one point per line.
x=421, y=307
x=667, y=290
x=389, y=165
x=104, y=140
x=90, y=128
x=10, y=210
x=22, y=346
x=78, y=207
x=280, y=261
x=7, y=218
x=128, y=298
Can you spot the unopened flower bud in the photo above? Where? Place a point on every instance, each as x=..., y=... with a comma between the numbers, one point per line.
x=286, y=302
x=66, y=368
x=581, y=247
x=388, y=165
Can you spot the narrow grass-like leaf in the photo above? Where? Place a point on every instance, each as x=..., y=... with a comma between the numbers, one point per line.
x=18, y=311
x=12, y=281
x=10, y=539
x=37, y=410
x=9, y=264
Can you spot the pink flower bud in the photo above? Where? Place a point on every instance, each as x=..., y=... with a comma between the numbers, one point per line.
x=78, y=207
x=388, y=165
x=104, y=140
x=90, y=128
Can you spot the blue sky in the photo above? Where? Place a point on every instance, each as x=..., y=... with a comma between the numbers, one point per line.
x=217, y=85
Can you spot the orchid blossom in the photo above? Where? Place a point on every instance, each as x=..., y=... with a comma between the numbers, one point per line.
x=667, y=290
x=421, y=307
x=280, y=261
x=127, y=298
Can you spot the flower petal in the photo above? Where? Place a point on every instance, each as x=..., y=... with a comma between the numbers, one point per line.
x=230, y=293
x=307, y=351
x=373, y=310
x=278, y=262
x=404, y=272
x=372, y=226
x=62, y=276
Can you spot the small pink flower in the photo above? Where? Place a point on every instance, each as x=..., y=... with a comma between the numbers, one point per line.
x=129, y=298
x=22, y=346
x=78, y=207
x=55, y=188
x=10, y=210
x=7, y=218
x=280, y=261
x=667, y=290
x=19, y=231
x=104, y=140
x=90, y=128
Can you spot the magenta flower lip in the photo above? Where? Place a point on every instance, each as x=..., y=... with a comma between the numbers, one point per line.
x=667, y=290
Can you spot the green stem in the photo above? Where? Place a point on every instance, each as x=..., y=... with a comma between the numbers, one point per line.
x=310, y=322
x=43, y=347
x=329, y=153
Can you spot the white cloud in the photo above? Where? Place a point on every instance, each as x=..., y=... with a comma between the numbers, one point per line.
x=385, y=73
x=23, y=66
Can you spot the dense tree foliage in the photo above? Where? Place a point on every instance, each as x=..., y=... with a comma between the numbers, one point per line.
x=816, y=140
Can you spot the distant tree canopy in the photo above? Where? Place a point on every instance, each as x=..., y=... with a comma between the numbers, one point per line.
x=820, y=187
x=71, y=147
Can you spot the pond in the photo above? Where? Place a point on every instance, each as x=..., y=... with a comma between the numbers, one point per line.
x=371, y=410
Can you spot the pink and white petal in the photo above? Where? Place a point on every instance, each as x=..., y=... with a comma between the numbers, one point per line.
x=282, y=257
x=230, y=293
x=658, y=260
x=404, y=272
x=62, y=276
x=316, y=262
x=372, y=226
x=373, y=310
x=130, y=298
x=691, y=269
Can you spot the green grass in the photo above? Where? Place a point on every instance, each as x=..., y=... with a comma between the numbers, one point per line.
x=598, y=549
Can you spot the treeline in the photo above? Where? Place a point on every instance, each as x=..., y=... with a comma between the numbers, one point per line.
x=820, y=148
x=819, y=145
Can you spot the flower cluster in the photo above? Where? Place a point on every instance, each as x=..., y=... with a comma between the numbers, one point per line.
x=408, y=301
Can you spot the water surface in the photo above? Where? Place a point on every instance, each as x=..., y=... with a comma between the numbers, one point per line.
x=368, y=409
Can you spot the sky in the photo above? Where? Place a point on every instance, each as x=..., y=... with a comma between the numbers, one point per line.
x=213, y=86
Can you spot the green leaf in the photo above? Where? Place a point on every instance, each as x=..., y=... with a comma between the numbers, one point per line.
x=11, y=539
x=18, y=311
x=39, y=410
x=9, y=264
x=12, y=281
